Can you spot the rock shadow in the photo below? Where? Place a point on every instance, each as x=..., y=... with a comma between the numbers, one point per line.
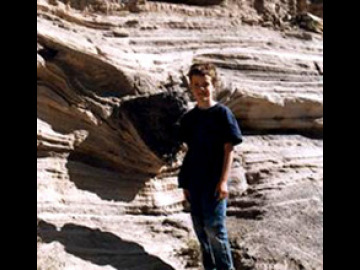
x=101, y=248
x=94, y=165
x=156, y=120
x=99, y=183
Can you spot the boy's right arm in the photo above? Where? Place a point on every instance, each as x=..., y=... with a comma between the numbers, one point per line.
x=183, y=138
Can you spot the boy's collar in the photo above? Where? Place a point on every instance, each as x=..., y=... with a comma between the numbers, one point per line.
x=206, y=108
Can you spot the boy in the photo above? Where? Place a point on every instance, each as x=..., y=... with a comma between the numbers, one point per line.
x=210, y=131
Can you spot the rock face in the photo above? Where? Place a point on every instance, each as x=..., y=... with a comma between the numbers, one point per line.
x=277, y=222
x=111, y=86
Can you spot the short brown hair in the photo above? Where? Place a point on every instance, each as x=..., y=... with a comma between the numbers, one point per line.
x=203, y=69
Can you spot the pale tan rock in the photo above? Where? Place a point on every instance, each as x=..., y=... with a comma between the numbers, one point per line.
x=278, y=221
x=107, y=162
x=310, y=22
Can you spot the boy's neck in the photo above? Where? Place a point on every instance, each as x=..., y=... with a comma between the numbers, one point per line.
x=206, y=104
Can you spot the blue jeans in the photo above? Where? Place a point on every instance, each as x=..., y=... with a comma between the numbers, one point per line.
x=208, y=217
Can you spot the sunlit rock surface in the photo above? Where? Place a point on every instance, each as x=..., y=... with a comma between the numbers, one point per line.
x=111, y=86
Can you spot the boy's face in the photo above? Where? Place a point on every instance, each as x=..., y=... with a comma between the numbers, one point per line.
x=202, y=88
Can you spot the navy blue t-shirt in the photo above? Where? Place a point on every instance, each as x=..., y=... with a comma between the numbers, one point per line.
x=205, y=131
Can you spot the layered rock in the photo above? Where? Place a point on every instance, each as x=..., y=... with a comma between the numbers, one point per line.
x=277, y=222
x=110, y=90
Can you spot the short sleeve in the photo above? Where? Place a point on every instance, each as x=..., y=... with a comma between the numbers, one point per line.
x=232, y=129
x=183, y=136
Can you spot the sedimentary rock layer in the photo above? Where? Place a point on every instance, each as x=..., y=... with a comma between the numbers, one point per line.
x=111, y=86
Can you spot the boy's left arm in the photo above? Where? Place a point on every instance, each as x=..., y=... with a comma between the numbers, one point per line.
x=222, y=187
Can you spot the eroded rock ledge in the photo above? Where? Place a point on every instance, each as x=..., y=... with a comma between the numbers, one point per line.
x=111, y=85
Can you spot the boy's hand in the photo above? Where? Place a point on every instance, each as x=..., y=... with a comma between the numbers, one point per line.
x=187, y=194
x=222, y=189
